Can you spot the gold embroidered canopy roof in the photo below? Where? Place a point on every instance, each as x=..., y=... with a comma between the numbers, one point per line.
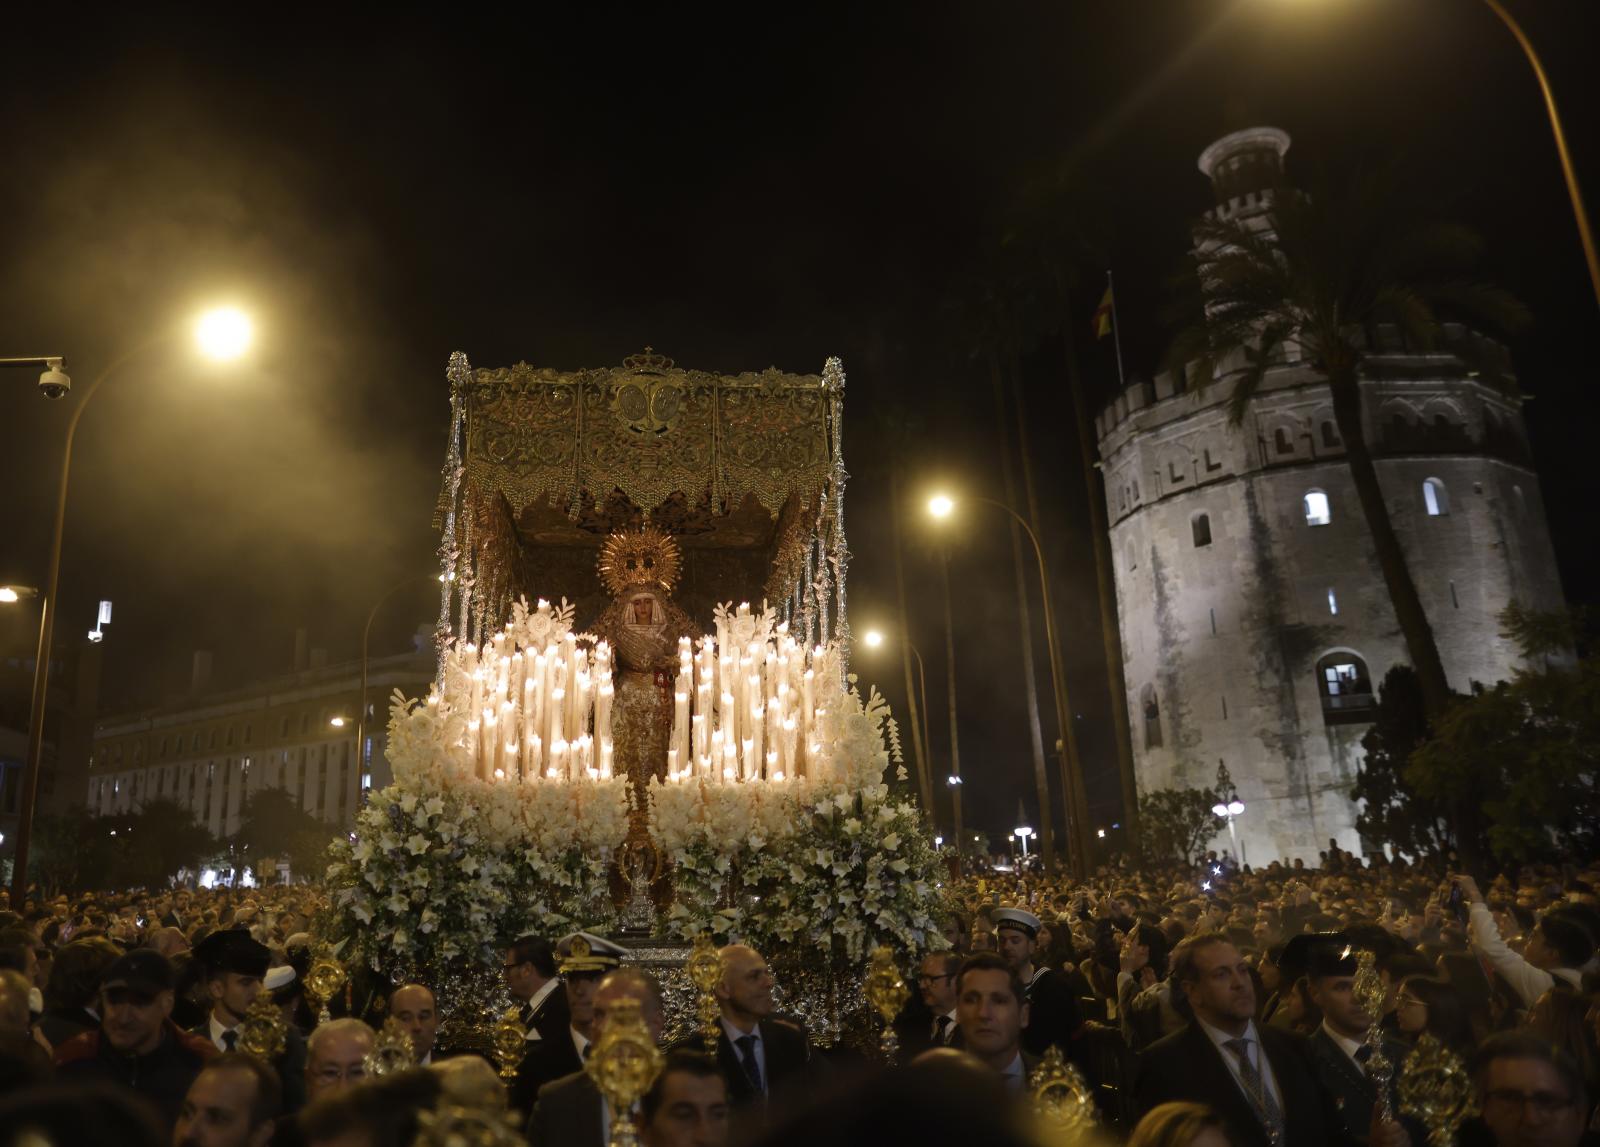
x=648, y=430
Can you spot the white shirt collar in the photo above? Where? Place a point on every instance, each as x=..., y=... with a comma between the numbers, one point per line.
x=543, y=993
x=1016, y=1069
x=1348, y=1046
x=735, y=1033
x=217, y=1030
x=1221, y=1038
x=580, y=1042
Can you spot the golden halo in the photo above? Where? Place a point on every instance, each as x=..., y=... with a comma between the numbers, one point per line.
x=642, y=557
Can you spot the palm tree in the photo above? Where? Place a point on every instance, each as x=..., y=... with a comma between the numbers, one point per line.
x=1304, y=279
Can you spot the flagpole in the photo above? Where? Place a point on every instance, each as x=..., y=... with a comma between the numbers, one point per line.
x=1116, y=330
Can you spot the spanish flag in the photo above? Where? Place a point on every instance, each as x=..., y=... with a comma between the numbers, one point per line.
x=1101, y=321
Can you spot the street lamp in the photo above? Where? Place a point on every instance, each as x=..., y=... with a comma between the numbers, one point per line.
x=219, y=334
x=942, y=506
x=1228, y=805
x=1022, y=832
x=337, y=722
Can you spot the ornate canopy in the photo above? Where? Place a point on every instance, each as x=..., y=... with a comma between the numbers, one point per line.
x=744, y=471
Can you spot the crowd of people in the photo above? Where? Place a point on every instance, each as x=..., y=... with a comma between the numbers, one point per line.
x=1204, y=1007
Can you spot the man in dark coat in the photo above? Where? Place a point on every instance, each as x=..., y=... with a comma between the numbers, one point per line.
x=992, y=1011
x=235, y=968
x=1338, y=1049
x=1260, y=1080
x=556, y=1052
x=1053, y=1017
x=137, y=1046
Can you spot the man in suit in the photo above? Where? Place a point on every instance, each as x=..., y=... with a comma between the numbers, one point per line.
x=235, y=968
x=414, y=1006
x=583, y=958
x=766, y=1061
x=532, y=980
x=1260, y=1080
x=570, y=1111
x=992, y=1011
x=687, y=1105
x=1338, y=1050
x=1053, y=1016
x=936, y=981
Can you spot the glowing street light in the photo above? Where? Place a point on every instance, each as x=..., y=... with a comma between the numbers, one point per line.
x=872, y=639
x=337, y=722
x=221, y=334
x=224, y=333
x=1228, y=805
x=1022, y=832
x=941, y=505
x=11, y=594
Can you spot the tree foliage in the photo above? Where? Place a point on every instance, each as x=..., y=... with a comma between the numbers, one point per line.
x=1392, y=811
x=1175, y=824
x=272, y=824
x=81, y=852
x=1526, y=752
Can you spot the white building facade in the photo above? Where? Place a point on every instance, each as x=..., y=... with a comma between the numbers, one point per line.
x=296, y=733
x=1255, y=621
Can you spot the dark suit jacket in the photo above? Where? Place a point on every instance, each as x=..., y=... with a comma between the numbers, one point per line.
x=549, y=1057
x=567, y=1114
x=1186, y=1066
x=290, y=1066
x=1053, y=1016
x=1353, y=1091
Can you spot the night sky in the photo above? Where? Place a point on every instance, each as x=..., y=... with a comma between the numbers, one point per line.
x=739, y=188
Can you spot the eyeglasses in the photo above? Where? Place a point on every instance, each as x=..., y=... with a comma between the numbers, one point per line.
x=922, y=978
x=513, y=967
x=1409, y=1002
x=1542, y=1102
x=333, y=1073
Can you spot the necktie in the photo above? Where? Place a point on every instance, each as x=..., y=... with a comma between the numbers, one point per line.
x=942, y=1031
x=747, y=1056
x=229, y=1038
x=1363, y=1053
x=1255, y=1089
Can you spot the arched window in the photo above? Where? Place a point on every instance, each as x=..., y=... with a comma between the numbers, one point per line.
x=1346, y=687
x=1151, y=708
x=1318, y=512
x=1330, y=436
x=1436, y=498
x=1280, y=440
x=1200, y=526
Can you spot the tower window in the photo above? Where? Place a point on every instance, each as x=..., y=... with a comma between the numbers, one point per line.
x=1330, y=436
x=1454, y=600
x=1346, y=687
x=1211, y=463
x=1135, y=491
x=1317, y=509
x=1213, y=622
x=1152, y=717
x=1280, y=440
x=1133, y=556
x=1436, y=498
x=1200, y=527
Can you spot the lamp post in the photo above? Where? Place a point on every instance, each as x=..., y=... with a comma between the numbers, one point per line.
x=874, y=639
x=221, y=334
x=940, y=507
x=1022, y=832
x=1228, y=805
x=954, y=779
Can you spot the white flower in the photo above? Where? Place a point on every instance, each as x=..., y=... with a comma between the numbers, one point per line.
x=417, y=845
x=892, y=841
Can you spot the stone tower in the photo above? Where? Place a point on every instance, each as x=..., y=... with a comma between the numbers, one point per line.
x=1255, y=621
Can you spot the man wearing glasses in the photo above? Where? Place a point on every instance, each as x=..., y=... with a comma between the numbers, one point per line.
x=336, y=1057
x=936, y=980
x=1530, y=1094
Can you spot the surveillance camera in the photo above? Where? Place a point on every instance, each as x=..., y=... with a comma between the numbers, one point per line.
x=54, y=382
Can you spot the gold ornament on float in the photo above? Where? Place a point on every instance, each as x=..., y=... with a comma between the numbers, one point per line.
x=633, y=559
x=705, y=969
x=1435, y=1089
x=392, y=1051
x=263, y=1032
x=324, y=978
x=1369, y=993
x=887, y=993
x=623, y=1064
x=508, y=1043
x=1061, y=1098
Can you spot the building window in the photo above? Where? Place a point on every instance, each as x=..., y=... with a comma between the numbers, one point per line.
x=1173, y=472
x=1281, y=441
x=1133, y=556
x=1346, y=688
x=1330, y=436
x=1200, y=527
x=1211, y=463
x=228, y=737
x=1317, y=510
x=1333, y=602
x=1213, y=622
x=283, y=727
x=1152, y=717
x=1454, y=600
x=1136, y=491
x=1436, y=498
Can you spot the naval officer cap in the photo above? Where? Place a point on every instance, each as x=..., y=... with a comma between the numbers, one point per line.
x=584, y=953
x=1017, y=920
x=234, y=950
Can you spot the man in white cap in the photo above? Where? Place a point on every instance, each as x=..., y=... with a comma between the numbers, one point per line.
x=1052, y=1012
x=582, y=959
